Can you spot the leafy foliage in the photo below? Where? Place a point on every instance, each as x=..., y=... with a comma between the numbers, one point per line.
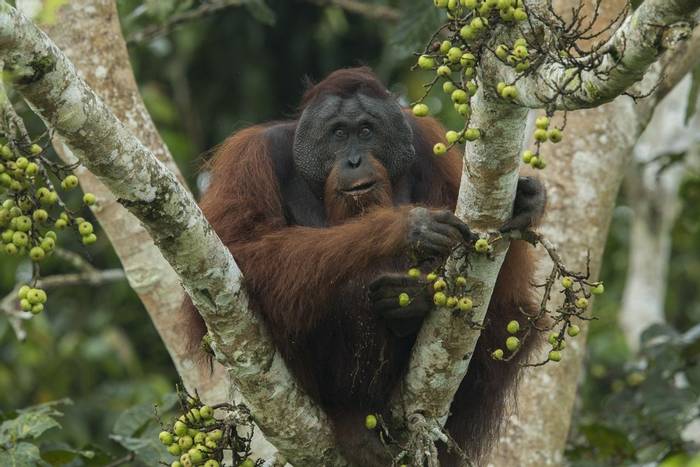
x=21, y=455
x=653, y=399
x=19, y=430
x=137, y=431
x=418, y=21
x=30, y=423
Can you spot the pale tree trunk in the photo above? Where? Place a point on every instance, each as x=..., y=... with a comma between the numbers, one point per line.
x=142, y=183
x=655, y=202
x=95, y=45
x=583, y=177
x=446, y=341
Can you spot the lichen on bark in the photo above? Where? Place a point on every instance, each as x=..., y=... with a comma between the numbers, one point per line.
x=168, y=211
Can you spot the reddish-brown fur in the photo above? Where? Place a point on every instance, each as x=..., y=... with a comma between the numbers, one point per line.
x=345, y=83
x=310, y=283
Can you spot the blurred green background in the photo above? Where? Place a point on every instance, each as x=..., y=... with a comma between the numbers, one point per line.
x=203, y=81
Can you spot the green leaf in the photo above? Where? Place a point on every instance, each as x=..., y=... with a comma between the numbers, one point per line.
x=669, y=408
x=261, y=11
x=64, y=455
x=95, y=456
x=134, y=431
x=418, y=23
x=134, y=419
x=608, y=441
x=147, y=447
x=31, y=425
x=658, y=334
x=21, y=455
x=693, y=94
x=168, y=402
x=31, y=422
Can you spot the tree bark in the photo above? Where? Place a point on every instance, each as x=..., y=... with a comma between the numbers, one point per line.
x=655, y=202
x=583, y=177
x=652, y=28
x=98, y=51
x=48, y=81
x=445, y=343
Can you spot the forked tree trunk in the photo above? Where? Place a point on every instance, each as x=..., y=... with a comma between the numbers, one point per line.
x=583, y=177
x=90, y=35
x=95, y=45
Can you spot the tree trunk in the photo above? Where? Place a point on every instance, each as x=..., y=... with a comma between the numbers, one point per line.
x=96, y=47
x=654, y=199
x=583, y=177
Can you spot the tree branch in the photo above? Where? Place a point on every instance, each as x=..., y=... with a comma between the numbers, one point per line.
x=681, y=60
x=378, y=12
x=489, y=178
x=74, y=259
x=653, y=28
x=153, y=194
x=178, y=19
x=583, y=178
x=447, y=340
x=9, y=118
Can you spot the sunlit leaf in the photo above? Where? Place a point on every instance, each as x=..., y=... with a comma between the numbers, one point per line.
x=47, y=14
x=693, y=94
x=147, y=447
x=21, y=455
x=31, y=422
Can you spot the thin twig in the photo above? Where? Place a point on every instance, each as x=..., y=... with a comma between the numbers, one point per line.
x=380, y=12
x=8, y=304
x=202, y=11
x=10, y=121
x=75, y=260
x=90, y=278
x=128, y=458
x=377, y=12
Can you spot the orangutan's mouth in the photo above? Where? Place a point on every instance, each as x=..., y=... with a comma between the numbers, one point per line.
x=360, y=188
